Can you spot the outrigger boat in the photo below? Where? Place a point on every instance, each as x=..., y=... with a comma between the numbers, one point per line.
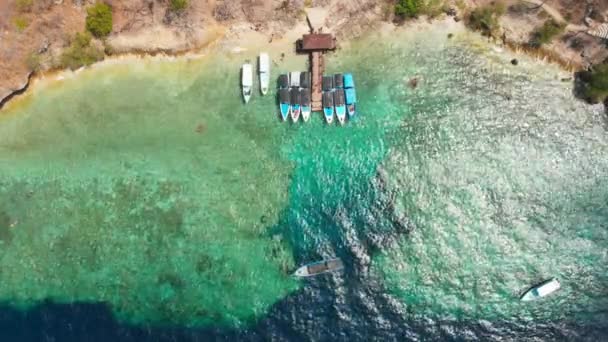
x=328, y=106
x=339, y=105
x=284, y=103
x=320, y=267
x=305, y=103
x=541, y=290
x=264, y=69
x=246, y=81
x=294, y=97
x=351, y=94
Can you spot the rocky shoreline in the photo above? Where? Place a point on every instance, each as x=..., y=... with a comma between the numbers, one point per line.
x=150, y=27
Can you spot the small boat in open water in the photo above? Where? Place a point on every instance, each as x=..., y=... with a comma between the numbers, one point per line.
x=284, y=103
x=339, y=105
x=328, y=106
x=305, y=107
x=264, y=68
x=320, y=267
x=541, y=290
x=351, y=94
x=294, y=98
x=247, y=81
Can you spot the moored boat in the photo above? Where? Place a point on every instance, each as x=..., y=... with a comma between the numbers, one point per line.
x=294, y=79
x=541, y=290
x=351, y=94
x=338, y=81
x=327, y=83
x=283, y=81
x=284, y=103
x=340, y=105
x=294, y=99
x=264, y=69
x=305, y=79
x=328, y=106
x=319, y=267
x=247, y=81
x=305, y=107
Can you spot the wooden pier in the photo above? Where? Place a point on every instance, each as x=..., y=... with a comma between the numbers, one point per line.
x=316, y=44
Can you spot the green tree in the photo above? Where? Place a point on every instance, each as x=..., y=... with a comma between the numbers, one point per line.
x=81, y=52
x=409, y=8
x=547, y=32
x=178, y=5
x=485, y=18
x=595, y=88
x=99, y=19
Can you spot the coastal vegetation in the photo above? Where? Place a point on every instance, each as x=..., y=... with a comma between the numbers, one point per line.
x=545, y=34
x=486, y=18
x=414, y=8
x=178, y=5
x=593, y=84
x=24, y=5
x=21, y=23
x=99, y=19
x=80, y=52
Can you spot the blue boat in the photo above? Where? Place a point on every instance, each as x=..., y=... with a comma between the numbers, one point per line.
x=294, y=98
x=284, y=103
x=339, y=105
x=351, y=94
x=328, y=106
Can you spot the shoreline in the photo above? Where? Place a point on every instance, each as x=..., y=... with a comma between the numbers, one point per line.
x=249, y=38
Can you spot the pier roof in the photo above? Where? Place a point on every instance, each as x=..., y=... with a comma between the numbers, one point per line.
x=317, y=42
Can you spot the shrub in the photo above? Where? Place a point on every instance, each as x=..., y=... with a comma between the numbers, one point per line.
x=33, y=61
x=178, y=5
x=80, y=52
x=596, y=84
x=24, y=5
x=485, y=18
x=547, y=32
x=21, y=23
x=409, y=8
x=99, y=19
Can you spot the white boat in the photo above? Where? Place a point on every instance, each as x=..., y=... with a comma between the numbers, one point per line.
x=247, y=81
x=543, y=289
x=294, y=79
x=264, y=72
x=320, y=267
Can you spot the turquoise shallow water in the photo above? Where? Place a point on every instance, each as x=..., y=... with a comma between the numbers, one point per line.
x=150, y=187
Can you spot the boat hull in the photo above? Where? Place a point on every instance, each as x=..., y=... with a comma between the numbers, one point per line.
x=306, y=113
x=295, y=113
x=341, y=114
x=541, y=290
x=285, y=110
x=321, y=267
x=328, y=112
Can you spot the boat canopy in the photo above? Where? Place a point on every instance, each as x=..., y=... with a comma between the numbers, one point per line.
x=305, y=80
x=349, y=82
x=264, y=63
x=295, y=78
x=351, y=96
x=294, y=96
x=247, y=77
x=305, y=97
x=339, y=81
x=284, y=95
x=339, y=98
x=283, y=81
x=328, y=99
x=328, y=83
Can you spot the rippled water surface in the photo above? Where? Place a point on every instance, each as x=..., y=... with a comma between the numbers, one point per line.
x=150, y=188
